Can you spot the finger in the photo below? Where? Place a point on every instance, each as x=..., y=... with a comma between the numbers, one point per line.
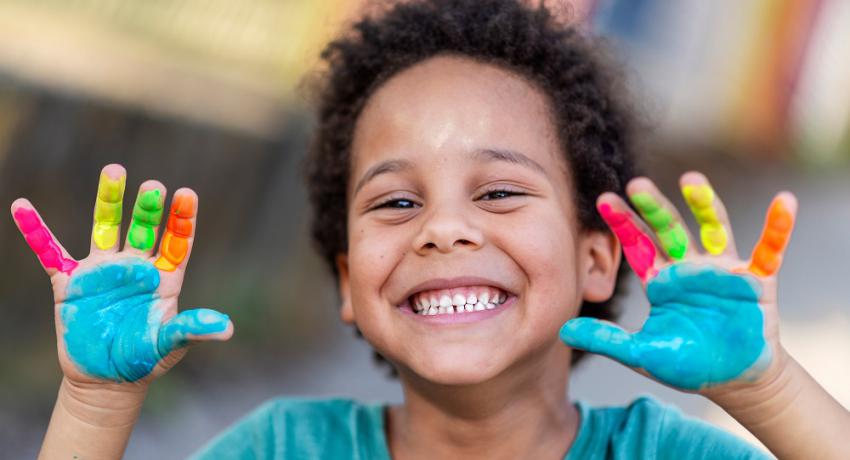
x=662, y=216
x=714, y=230
x=107, y=209
x=179, y=231
x=638, y=247
x=767, y=255
x=53, y=257
x=147, y=215
x=600, y=337
x=193, y=326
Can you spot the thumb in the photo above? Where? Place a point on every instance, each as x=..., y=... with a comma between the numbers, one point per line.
x=600, y=337
x=189, y=326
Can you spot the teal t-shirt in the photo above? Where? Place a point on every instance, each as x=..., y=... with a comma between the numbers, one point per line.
x=341, y=429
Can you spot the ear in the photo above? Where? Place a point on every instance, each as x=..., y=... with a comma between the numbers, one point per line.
x=346, y=313
x=601, y=257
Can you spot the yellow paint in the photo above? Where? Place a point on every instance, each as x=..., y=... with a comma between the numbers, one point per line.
x=713, y=234
x=107, y=211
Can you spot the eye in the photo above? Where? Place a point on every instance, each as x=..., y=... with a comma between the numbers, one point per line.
x=396, y=203
x=499, y=194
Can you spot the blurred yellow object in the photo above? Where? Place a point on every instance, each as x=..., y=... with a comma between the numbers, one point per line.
x=232, y=63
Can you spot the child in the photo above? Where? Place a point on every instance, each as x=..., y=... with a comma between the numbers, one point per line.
x=461, y=147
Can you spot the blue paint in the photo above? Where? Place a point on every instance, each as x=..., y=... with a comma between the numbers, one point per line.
x=705, y=328
x=113, y=324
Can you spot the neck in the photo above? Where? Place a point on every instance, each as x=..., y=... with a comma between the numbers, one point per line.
x=521, y=413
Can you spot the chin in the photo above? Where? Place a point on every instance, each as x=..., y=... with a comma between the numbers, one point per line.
x=456, y=370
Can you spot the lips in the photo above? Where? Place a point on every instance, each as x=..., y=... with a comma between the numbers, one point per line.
x=459, y=295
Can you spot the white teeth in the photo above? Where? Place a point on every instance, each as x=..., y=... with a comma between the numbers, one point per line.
x=483, y=298
x=442, y=302
x=458, y=300
x=450, y=310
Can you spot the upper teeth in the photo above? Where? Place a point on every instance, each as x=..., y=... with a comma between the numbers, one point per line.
x=459, y=300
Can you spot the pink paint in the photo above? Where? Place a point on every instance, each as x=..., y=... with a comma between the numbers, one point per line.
x=41, y=241
x=639, y=248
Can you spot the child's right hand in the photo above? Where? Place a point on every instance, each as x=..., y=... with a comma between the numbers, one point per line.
x=116, y=310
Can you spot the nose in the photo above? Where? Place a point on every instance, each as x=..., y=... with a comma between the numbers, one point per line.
x=445, y=229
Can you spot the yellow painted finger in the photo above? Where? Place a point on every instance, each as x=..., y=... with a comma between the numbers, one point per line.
x=701, y=199
x=108, y=206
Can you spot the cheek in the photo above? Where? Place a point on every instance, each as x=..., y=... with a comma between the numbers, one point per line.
x=372, y=257
x=547, y=255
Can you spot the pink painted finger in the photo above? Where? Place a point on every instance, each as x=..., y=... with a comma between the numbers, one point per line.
x=637, y=245
x=50, y=253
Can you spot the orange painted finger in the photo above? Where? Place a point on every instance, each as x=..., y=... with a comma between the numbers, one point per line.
x=179, y=231
x=767, y=255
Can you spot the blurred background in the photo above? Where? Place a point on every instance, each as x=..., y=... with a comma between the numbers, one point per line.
x=205, y=94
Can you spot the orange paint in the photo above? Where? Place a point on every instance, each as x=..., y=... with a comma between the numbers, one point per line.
x=178, y=230
x=767, y=255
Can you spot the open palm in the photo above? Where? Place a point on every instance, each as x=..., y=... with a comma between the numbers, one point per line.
x=713, y=316
x=116, y=310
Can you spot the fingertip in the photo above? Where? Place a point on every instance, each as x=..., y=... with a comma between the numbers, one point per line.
x=184, y=203
x=611, y=199
x=114, y=171
x=20, y=203
x=567, y=330
x=186, y=192
x=639, y=184
x=227, y=334
x=692, y=178
x=788, y=200
x=152, y=184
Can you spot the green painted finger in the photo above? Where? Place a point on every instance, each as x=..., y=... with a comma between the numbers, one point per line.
x=107, y=210
x=669, y=230
x=700, y=199
x=147, y=214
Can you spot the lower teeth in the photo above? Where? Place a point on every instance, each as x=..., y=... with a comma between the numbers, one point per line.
x=459, y=309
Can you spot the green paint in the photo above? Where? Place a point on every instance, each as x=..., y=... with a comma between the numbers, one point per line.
x=670, y=232
x=147, y=214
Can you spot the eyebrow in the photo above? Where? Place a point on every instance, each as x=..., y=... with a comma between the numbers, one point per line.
x=481, y=155
x=510, y=156
x=382, y=168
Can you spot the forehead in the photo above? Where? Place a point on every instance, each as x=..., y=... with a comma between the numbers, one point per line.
x=447, y=105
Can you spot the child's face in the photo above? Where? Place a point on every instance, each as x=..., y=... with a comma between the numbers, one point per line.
x=442, y=139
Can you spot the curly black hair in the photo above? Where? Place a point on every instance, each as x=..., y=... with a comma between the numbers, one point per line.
x=594, y=126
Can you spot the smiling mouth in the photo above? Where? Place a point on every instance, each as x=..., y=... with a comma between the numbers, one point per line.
x=457, y=300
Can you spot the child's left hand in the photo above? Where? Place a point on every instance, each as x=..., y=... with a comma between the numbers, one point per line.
x=713, y=319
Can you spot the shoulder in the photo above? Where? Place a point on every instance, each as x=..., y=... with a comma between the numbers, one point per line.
x=284, y=428
x=646, y=428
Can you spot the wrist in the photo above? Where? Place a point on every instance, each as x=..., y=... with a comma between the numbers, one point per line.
x=751, y=403
x=109, y=405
